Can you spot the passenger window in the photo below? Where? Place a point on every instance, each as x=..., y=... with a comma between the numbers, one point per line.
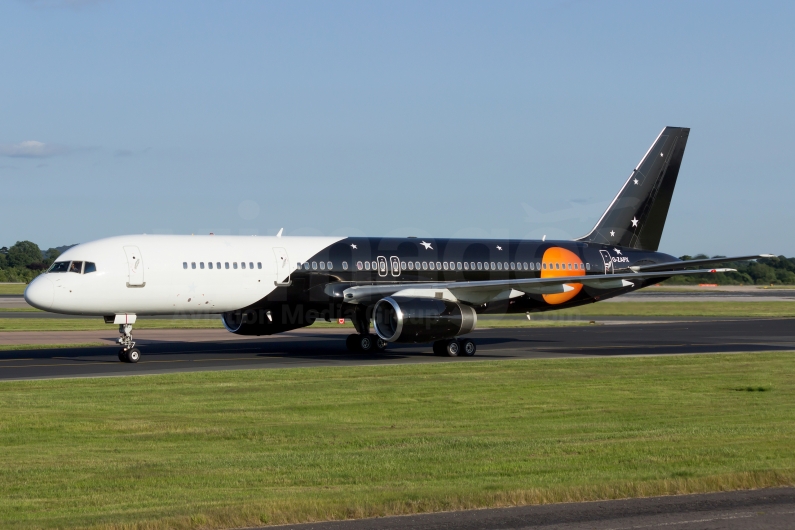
x=192, y=264
x=417, y=265
x=424, y=265
x=492, y=265
x=328, y=265
x=480, y=265
x=184, y=264
x=459, y=266
x=314, y=265
x=201, y=264
x=524, y=265
x=410, y=265
x=89, y=267
x=242, y=264
x=76, y=266
x=250, y=264
x=209, y=264
x=306, y=266
x=359, y=265
x=344, y=265
x=234, y=265
x=322, y=265
x=438, y=266
x=259, y=264
x=432, y=265
x=217, y=264
x=403, y=265
x=375, y=266
x=226, y=264
x=588, y=266
x=513, y=266
x=367, y=265
x=445, y=265
x=545, y=266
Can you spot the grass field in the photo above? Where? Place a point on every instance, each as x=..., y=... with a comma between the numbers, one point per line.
x=12, y=288
x=13, y=347
x=553, y=318
x=246, y=448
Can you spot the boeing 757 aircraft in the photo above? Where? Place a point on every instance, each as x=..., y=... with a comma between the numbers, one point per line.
x=408, y=289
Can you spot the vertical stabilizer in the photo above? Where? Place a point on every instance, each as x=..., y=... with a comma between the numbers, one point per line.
x=637, y=215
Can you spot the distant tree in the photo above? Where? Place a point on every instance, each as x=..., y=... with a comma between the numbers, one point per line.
x=23, y=253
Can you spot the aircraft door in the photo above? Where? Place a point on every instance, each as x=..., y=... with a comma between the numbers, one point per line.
x=382, y=266
x=395, y=262
x=135, y=267
x=283, y=269
x=608, y=261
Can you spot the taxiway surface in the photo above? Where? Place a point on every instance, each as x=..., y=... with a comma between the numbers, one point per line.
x=769, y=509
x=167, y=351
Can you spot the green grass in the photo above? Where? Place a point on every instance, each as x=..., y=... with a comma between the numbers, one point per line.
x=20, y=310
x=12, y=347
x=12, y=288
x=246, y=448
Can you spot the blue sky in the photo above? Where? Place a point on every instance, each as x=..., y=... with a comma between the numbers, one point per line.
x=447, y=119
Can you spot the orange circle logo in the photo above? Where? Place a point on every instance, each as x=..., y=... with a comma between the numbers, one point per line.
x=558, y=262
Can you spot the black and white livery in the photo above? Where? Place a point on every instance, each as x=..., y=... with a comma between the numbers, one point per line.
x=392, y=289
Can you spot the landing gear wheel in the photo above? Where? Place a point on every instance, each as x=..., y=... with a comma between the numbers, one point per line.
x=468, y=347
x=380, y=344
x=352, y=343
x=123, y=355
x=133, y=355
x=365, y=343
x=451, y=348
x=438, y=347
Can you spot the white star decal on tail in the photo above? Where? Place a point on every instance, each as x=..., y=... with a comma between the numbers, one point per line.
x=634, y=222
x=636, y=182
x=354, y=247
x=499, y=247
x=426, y=245
x=612, y=234
x=617, y=251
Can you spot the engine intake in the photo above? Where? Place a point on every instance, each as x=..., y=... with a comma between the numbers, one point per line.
x=401, y=319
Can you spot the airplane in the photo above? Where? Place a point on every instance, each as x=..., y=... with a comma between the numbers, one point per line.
x=411, y=290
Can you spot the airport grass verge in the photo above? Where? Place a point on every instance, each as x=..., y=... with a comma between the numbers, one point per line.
x=12, y=288
x=247, y=448
x=14, y=347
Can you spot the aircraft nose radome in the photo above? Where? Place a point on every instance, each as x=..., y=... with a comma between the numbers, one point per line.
x=40, y=293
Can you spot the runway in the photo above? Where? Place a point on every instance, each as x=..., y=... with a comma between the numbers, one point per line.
x=768, y=509
x=167, y=351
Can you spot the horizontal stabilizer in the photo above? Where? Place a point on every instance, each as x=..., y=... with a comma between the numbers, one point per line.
x=675, y=265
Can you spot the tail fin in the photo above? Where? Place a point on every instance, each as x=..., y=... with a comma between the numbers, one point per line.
x=637, y=215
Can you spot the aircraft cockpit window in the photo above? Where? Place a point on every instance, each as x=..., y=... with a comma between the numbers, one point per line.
x=89, y=267
x=76, y=266
x=59, y=266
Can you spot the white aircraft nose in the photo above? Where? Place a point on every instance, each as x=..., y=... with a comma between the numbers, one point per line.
x=40, y=293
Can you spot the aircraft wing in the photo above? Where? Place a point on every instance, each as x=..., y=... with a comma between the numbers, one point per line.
x=476, y=291
x=673, y=265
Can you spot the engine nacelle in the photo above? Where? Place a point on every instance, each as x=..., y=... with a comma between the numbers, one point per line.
x=258, y=322
x=401, y=319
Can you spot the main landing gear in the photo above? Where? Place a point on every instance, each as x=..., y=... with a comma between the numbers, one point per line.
x=454, y=348
x=365, y=342
x=128, y=352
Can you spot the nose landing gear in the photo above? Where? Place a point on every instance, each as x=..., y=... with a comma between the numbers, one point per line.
x=128, y=353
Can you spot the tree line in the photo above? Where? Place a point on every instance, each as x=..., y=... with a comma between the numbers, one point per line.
x=24, y=261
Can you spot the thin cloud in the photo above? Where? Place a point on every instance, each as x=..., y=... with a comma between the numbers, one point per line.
x=32, y=149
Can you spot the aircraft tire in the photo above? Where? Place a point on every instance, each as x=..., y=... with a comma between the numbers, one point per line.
x=123, y=355
x=133, y=355
x=438, y=347
x=452, y=348
x=352, y=343
x=468, y=347
x=365, y=343
x=379, y=344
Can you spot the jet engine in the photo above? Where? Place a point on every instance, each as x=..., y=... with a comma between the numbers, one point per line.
x=259, y=322
x=402, y=319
